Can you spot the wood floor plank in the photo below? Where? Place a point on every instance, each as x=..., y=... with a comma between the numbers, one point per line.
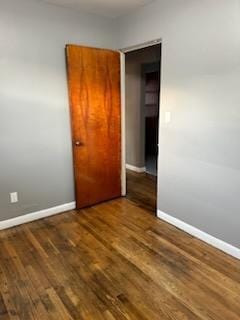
x=199, y=270
x=113, y=261
x=173, y=270
x=3, y=309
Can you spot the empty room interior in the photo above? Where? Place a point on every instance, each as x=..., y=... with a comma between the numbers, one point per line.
x=120, y=161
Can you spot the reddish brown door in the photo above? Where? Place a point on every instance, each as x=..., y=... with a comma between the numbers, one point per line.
x=94, y=92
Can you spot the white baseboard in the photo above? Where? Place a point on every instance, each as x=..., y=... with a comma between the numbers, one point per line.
x=36, y=215
x=136, y=169
x=215, y=242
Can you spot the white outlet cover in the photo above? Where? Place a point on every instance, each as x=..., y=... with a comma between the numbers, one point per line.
x=14, y=197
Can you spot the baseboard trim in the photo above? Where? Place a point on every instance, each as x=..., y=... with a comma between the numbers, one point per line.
x=36, y=215
x=215, y=242
x=136, y=169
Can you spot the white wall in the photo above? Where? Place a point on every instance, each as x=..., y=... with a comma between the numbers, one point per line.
x=35, y=142
x=199, y=167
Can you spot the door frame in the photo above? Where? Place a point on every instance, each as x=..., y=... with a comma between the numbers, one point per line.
x=123, y=51
x=123, y=126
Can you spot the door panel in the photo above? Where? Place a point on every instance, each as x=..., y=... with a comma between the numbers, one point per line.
x=95, y=105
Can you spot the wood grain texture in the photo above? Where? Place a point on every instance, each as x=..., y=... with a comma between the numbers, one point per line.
x=94, y=93
x=113, y=261
x=142, y=189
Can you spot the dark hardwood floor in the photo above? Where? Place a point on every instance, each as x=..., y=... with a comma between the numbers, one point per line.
x=113, y=261
x=142, y=189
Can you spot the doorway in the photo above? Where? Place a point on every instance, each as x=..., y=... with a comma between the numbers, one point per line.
x=102, y=140
x=142, y=92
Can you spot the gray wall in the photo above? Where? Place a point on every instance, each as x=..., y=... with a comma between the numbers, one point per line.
x=35, y=141
x=135, y=135
x=199, y=165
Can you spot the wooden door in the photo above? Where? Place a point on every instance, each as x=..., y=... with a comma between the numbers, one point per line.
x=95, y=105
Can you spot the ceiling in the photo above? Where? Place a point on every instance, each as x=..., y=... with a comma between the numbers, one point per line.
x=107, y=8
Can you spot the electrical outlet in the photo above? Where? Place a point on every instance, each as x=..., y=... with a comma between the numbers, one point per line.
x=14, y=197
